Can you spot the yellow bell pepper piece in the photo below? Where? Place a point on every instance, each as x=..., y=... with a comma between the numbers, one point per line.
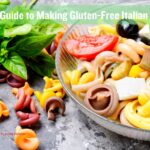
x=87, y=77
x=102, y=29
x=144, y=110
x=75, y=76
x=107, y=29
x=135, y=71
x=122, y=70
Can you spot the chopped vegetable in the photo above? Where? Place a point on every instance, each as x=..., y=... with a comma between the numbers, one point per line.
x=135, y=71
x=122, y=70
x=107, y=29
x=86, y=47
x=102, y=29
x=75, y=77
x=87, y=77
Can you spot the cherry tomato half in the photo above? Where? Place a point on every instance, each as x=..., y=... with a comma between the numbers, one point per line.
x=86, y=47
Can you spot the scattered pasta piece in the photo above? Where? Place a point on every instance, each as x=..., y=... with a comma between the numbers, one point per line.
x=102, y=99
x=27, y=89
x=25, y=106
x=26, y=139
x=52, y=88
x=51, y=107
x=4, y=111
x=138, y=116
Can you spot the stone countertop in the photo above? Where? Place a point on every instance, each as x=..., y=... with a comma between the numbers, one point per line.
x=74, y=131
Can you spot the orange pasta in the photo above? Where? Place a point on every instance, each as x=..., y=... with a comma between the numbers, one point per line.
x=26, y=139
x=4, y=111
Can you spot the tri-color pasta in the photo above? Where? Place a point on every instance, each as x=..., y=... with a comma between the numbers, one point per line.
x=115, y=75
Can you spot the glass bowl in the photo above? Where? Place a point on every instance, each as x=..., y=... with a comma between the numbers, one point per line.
x=65, y=62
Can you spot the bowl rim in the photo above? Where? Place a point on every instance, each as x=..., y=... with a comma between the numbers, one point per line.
x=71, y=95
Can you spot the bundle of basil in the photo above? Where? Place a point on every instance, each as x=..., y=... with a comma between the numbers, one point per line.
x=22, y=42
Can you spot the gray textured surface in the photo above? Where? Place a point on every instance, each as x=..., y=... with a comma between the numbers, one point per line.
x=75, y=131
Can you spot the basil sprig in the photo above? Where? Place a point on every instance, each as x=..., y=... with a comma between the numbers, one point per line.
x=22, y=42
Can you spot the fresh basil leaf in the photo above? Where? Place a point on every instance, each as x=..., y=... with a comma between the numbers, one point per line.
x=4, y=44
x=3, y=51
x=42, y=64
x=2, y=27
x=47, y=27
x=3, y=55
x=32, y=45
x=15, y=64
x=4, y=2
x=9, y=23
x=20, y=9
x=18, y=30
x=18, y=38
